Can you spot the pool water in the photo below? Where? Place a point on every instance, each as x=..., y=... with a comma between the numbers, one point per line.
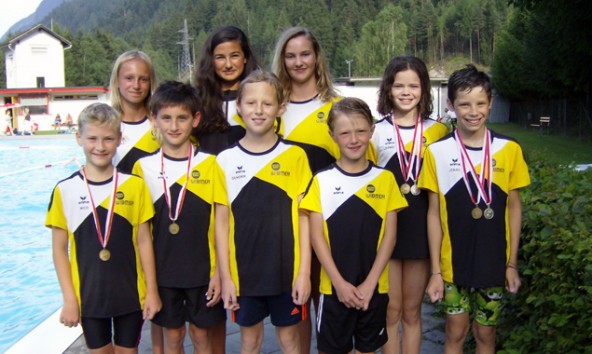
x=29, y=290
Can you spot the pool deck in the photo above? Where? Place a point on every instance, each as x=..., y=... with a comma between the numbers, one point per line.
x=433, y=337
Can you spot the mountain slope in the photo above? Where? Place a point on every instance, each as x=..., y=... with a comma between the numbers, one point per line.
x=44, y=9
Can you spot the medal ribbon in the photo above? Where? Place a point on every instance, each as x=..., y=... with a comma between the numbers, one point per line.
x=183, y=190
x=415, y=154
x=109, y=221
x=486, y=168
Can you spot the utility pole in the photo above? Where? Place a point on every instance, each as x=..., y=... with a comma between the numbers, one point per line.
x=186, y=65
x=349, y=61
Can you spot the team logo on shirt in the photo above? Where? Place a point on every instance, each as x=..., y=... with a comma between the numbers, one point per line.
x=83, y=203
x=321, y=117
x=276, y=170
x=389, y=144
x=371, y=189
x=454, y=165
x=195, y=178
x=120, y=196
x=497, y=169
x=239, y=173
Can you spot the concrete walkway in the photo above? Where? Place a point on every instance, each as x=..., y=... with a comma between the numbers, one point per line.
x=433, y=337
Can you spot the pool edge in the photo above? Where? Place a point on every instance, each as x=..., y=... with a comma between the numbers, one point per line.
x=50, y=336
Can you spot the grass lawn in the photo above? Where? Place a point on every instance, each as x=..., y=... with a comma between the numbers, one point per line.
x=557, y=148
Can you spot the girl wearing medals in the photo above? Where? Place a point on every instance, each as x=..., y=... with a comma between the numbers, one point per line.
x=226, y=59
x=102, y=215
x=131, y=85
x=399, y=141
x=300, y=65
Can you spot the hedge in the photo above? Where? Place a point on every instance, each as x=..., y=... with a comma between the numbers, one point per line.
x=552, y=313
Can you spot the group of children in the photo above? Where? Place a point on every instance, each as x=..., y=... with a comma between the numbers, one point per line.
x=254, y=192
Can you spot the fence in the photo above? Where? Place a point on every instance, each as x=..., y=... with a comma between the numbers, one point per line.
x=568, y=116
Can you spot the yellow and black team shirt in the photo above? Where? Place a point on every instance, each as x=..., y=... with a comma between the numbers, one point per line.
x=474, y=252
x=117, y=286
x=187, y=259
x=411, y=224
x=354, y=208
x=137, y=141
x=305, y=124
x=261, y=191
x=237, y=126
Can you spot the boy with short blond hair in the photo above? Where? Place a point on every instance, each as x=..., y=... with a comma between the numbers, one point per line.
x=353, y=208
x=102, y=215
x=261, y=239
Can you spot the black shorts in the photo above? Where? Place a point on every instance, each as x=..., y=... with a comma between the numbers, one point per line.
x=339, y=327
x=126, y=330
x=282, y=310
x=182, y=305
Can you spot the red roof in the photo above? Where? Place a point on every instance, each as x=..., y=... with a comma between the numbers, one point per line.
x=51, y=90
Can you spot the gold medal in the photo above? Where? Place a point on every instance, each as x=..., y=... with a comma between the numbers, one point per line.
x=476, y=213
x=415, y=190
x=405, y=188
x=105, y=255
x=174, y=228
x=488, y=213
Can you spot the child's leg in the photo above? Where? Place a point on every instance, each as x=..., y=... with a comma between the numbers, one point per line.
x=305, y=329
x=107, y=349
x=219, y=338
x=201, y=339
x=157, y=338
x=415, y=279
x=207, y=327
x=126, y=332
x=174, y=338
x=289, y=338
x=485, y=338
x=457, y=301
x=457, y=328
x=306, y=324
x=393, y=312
x=252, y=338
x=487, y=313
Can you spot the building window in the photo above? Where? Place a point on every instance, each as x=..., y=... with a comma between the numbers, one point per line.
x=38, y=50
x=36, y=104
x=40, y=81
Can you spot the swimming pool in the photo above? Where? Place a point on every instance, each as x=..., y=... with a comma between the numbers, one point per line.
x=29, y=290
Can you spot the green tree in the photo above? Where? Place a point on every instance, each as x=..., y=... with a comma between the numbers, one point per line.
x=380, y=40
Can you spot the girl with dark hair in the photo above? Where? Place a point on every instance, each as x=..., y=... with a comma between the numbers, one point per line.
x=226, y=59
x=399, y=139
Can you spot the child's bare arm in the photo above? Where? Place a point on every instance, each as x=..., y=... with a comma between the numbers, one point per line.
x=301, y=289
x=348, y=294
x=152, y=303
x=382, y=257
x=214, y=293
x=435, y=288
x=70, y=315
x=515, y=222
x=222, y=230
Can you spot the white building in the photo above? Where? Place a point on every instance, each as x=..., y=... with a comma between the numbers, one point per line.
x=35, y=58
x=35, y=79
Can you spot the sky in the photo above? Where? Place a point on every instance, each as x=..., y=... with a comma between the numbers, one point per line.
x=15, y=10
